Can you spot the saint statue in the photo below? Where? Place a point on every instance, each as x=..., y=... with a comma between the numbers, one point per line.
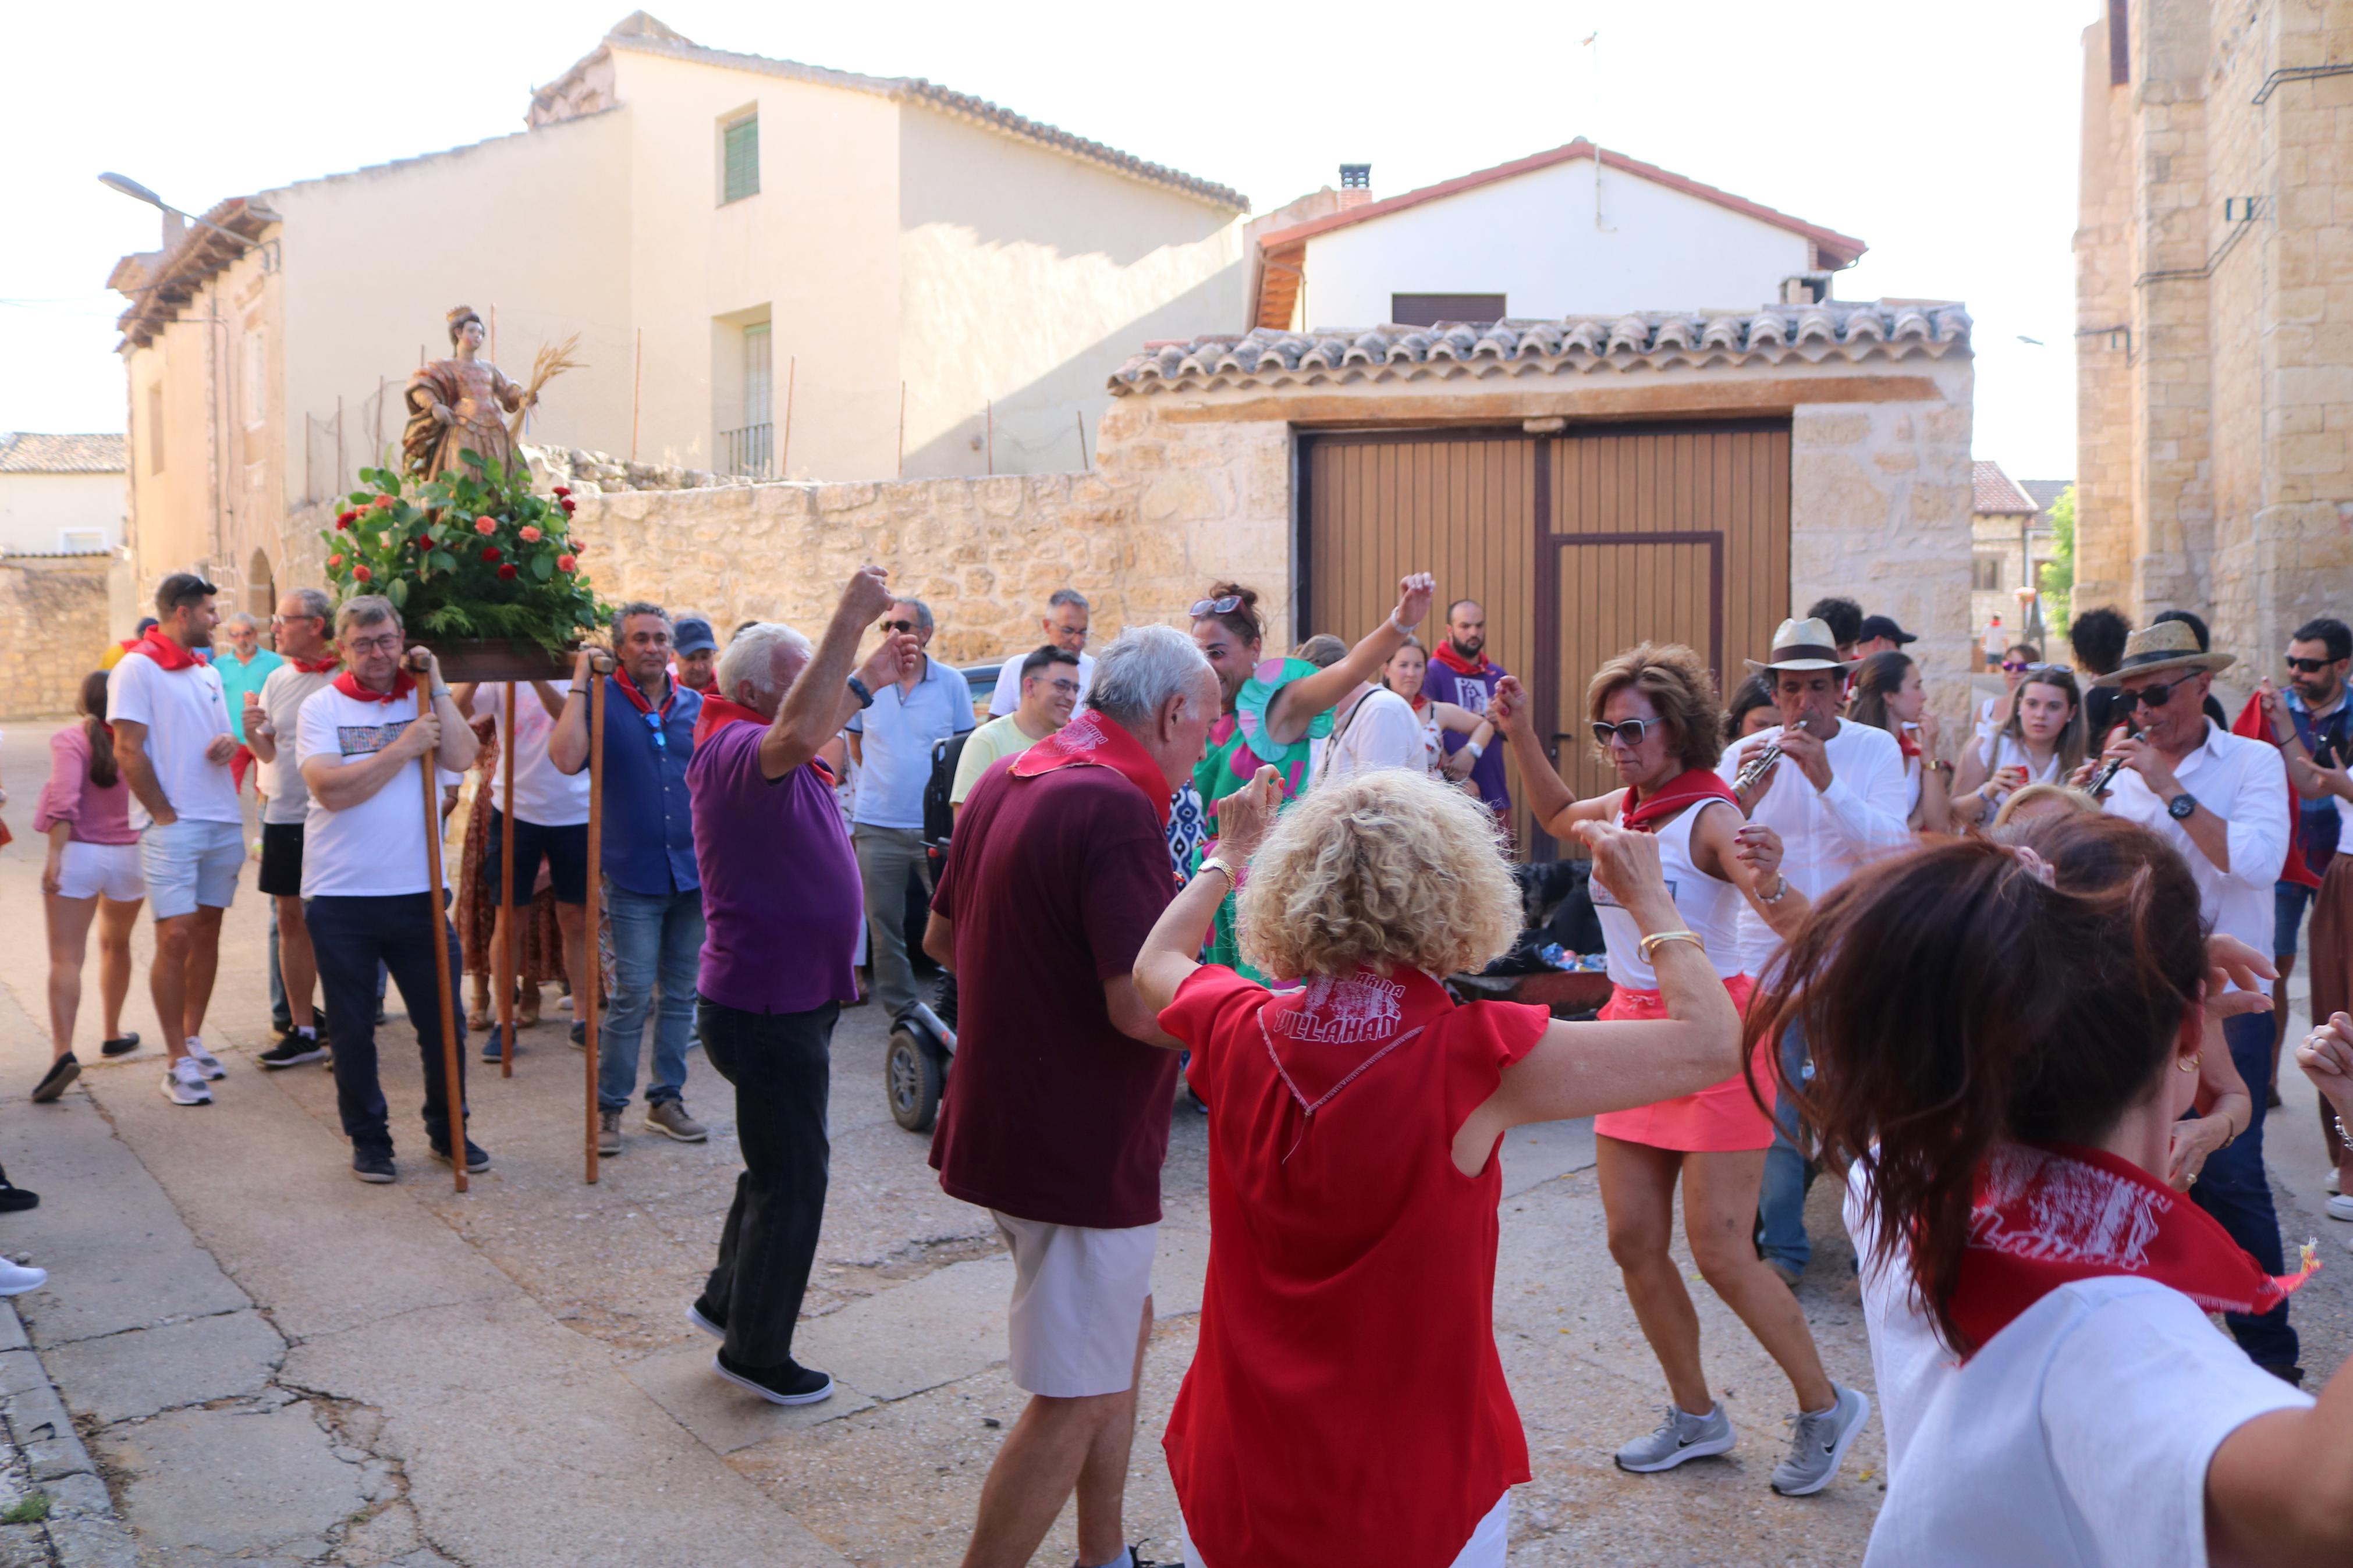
x=456, y=405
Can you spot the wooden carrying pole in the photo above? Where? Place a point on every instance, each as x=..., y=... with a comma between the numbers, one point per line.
x=428, y=765
x=504, y=975
x=587, y=991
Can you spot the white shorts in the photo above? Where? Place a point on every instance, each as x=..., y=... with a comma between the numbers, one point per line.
x=1078, y=1305
x=1485, y=1550
x=95, y=870
x=190, y=863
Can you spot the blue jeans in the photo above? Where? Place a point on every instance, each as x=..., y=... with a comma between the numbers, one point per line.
x=2233, y=1188
x=1781, y=1201
x=656, y=939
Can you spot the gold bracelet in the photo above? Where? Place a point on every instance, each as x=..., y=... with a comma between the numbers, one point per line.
x=1655, y=938
x=1219, y=863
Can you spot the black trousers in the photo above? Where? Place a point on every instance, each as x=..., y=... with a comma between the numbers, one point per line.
x=782, y=1067
x=350, y=936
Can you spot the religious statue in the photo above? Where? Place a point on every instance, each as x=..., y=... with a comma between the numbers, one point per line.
x=456, y=405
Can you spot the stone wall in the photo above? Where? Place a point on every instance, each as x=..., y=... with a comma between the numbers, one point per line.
x=53, y=623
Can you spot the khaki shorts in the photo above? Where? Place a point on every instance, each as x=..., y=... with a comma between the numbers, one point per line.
x=1078, y=1305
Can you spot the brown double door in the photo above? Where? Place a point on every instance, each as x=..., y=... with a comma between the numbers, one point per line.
x=1578, y=545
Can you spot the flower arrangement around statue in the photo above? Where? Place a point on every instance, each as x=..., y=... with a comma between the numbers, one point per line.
x=469, y=556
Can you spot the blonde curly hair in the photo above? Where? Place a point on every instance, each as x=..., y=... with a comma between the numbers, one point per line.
x=1388, y=869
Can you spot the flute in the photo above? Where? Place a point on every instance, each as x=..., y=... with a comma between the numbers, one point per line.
x=2098, y=783
x=1756, y=766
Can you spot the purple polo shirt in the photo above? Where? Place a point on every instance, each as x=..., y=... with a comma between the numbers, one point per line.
x=781, y=903
x=1442, y=684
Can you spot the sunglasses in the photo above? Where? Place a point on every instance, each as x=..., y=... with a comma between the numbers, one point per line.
x=2309, y=666
x=2014, y=665
x=898, y=626
x=1225, y=606
x=2154, y=696
x=1630, y=731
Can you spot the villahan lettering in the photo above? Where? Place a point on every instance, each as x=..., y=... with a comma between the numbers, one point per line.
x=1343, y=1012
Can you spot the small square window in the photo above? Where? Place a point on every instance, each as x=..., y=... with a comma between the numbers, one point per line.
x=1986, y=574
x=739, y=159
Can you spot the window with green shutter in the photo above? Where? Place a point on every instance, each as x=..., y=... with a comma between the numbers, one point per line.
x=739, y=159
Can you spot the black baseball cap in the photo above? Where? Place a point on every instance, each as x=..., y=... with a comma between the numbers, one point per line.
x=181, y=588
x=1884, y=627
x=693, y=635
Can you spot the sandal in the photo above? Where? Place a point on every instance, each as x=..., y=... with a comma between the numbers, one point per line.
x=527, y=1011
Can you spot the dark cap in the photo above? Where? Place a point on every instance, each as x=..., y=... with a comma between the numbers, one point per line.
x=181, y=588
x=693, y=635
x=1884, y=627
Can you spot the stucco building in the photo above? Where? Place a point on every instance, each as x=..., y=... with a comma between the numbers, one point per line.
x=2214, y=316
x=60, y=494
x=2010, y=542
x=774, y=270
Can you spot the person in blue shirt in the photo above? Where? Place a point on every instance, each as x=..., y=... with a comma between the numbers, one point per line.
x=651, y=884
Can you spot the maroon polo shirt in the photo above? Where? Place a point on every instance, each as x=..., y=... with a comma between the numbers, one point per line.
x=1053, y=1114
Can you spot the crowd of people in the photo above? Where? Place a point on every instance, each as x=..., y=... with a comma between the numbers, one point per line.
x=2014, y=985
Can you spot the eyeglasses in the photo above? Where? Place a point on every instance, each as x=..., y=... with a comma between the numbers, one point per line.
x=388, y=644
x=1225, y=606
x=1066, y=689
x=1630, y=731
x=290, y=620
x=2014, y=665
x=2155, y=696
x=2309, y=666
x=898, y=626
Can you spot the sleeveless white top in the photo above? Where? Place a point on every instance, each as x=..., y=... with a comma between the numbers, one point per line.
x=1709, y=906
x=2001, y=751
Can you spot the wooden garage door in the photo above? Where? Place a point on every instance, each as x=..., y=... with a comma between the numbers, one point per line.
x=1578, y=545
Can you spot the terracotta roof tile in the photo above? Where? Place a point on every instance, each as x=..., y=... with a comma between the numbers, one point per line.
x=1577, y=344
x=1997, y=494
x=30, y=452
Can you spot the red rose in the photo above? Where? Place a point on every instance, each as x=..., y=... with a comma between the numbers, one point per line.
x=336, y=560
x=566, y=503
x=384, y=501
x=424, y=542
x=564, y=490
x=486, y=525
x=530, y=534
x=505, y=572
x=565, y=563
x=362, y=572
x=490, y=553
x=345, y=518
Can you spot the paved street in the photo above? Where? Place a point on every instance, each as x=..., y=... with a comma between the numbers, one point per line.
x=272, y=1362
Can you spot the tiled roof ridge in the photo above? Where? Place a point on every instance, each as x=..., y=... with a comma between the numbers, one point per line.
x=1648, y=339
x=964, y=105
x=1995, y=493
x=62, y=452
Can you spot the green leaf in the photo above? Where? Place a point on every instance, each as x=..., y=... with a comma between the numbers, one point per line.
x=442, y=561
x=396, y=591
x=542, y=566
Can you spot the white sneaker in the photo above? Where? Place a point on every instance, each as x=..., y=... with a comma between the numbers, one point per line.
x=15, y=1278
x=205, y=1059
x=184, y=1083
x=2331, y=1183
x=2340, y=1209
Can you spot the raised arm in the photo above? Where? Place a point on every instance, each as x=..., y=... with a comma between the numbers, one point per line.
x=567, y=743
x=1167, y=958
x=1553, y=805
x=1297, y=705
x=821, y=701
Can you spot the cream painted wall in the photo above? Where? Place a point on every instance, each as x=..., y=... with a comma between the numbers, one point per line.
x=172, y=508
x=1534, y=239
x=1027, y=278
x=818, y=245
x=35, y=509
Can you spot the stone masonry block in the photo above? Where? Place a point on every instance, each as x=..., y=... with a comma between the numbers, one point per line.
x=1828, y=427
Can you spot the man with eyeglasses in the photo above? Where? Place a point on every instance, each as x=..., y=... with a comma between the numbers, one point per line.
x=650, y=885
x=2220, y=800
x=2319, y=654
x=892, y=742
x=1065, y=625
x=272, y=715
x=1051, y=685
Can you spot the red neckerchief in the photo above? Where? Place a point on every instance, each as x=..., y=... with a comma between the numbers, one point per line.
x=1444, y=654
x=639, y=700
x=317, y=666
x=1091, y=740
x=2251, y=724
x=1418, y=702
x=1686, y=788
x=719, y=712
x=1905, y=743
x=163, y=650
x=349, y=685
x=2047, y=1215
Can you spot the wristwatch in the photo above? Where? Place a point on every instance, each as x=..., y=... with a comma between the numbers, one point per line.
x=858, y=689
x=2182, y=806
x=1219, y=863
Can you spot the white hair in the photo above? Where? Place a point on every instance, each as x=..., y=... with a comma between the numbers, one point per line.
x=751, y=655
x=1139, y=672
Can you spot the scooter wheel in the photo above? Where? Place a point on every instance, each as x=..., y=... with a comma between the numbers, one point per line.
x=912, y=1078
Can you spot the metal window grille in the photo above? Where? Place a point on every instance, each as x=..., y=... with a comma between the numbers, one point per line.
x=751, y=451
x=740, y=159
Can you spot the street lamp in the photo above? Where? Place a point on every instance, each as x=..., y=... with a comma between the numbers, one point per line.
x=139, y=193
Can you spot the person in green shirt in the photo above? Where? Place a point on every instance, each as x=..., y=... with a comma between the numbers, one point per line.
x=242, y=668
x=1050, y=689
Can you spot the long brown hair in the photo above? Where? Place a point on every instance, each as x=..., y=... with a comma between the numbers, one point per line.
x=102, y=770
x=2069, y=746
x=1881, y=677
x=1952, y=1001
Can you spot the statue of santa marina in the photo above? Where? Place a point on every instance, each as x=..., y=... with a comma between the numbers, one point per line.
x=457, y=405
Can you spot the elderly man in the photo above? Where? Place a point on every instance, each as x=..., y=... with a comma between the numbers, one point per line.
x=892, y=743
x=781, y=910
x=246, y=665
x=172, y=742
x=1050, y=685
x=1055, y=1119
x=2221, y=800
x=651, y=886
x=1065, y=625
x=361, y=747
x=272, y=721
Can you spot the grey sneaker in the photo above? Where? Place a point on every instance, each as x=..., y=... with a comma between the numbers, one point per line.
x=608, y=1133
x=669, y=1117
x=1682, y=1436
x=1818, y=1445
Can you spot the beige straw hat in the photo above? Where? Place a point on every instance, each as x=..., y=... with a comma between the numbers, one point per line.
x=2168, y=645
x=1803, y=644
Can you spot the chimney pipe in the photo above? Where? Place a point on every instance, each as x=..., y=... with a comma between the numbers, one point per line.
x=1355, y=185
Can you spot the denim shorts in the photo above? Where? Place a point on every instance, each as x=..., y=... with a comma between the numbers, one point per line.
x=2289, y=901
x=188, y=863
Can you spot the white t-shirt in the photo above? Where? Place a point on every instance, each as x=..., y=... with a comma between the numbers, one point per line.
x=2079, y=1437
x=282, y=696
x=1379, y=732
x=376, y=849
x=182, y=710
x=1008, y=695
x=1826, y=835
x=541, y=795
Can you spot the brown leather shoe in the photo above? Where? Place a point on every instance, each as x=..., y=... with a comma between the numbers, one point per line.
x=608, y=1133
x=669, y=1119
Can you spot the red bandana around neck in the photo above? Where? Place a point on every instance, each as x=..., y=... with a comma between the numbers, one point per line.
x=638, y=699
x=1686, y=788
x=1418, y=702
x=317, y=666
x=2047, y=1215
x=163, y=650
x=1444, y=654
x=349, y=685
x=718, y=712
x=1091, y=740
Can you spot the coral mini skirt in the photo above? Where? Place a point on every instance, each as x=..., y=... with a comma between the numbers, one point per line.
x=1721, y=1117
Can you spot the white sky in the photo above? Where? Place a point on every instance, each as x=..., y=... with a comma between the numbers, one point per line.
x=1945, y=136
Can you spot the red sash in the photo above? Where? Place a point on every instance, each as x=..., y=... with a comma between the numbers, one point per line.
x=1091, y=740
x=1686, y=788
x=161, y=649
x=348, y=684
x=1444, y=654
x=2049, y=1214
x=317, y=666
